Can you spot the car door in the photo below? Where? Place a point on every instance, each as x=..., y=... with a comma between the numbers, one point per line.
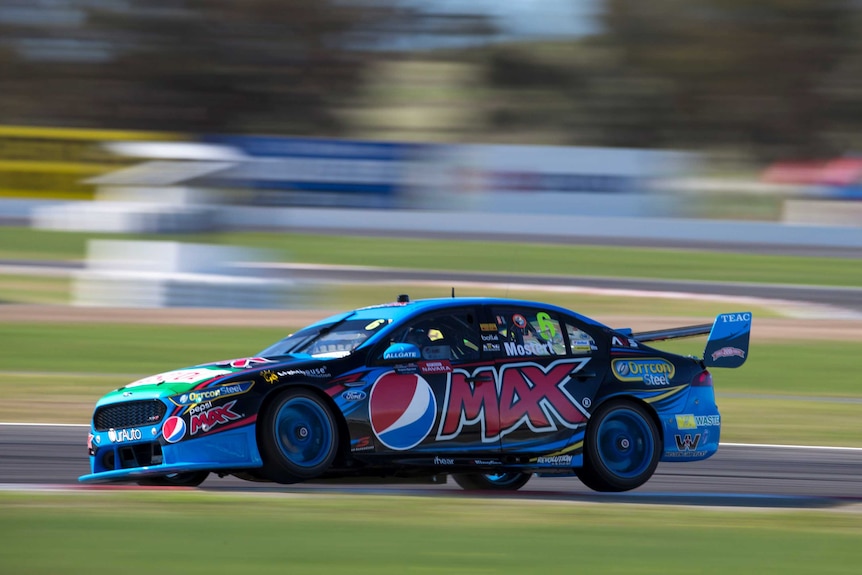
x=548, y=369
x=435, y=404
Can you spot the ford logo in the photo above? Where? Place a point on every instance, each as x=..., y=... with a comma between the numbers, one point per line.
x=353, y=395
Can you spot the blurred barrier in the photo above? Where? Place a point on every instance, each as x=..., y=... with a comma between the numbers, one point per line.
x=173, y=274
x=54, y=163
x=487, y=178
x=318, y=172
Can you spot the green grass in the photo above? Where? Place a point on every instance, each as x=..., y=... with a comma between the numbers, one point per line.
x=506, y=258
x=191, y=533
x=123, y=348
x=34, y=289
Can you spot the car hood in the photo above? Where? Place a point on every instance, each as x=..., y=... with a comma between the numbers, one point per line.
x=186, y=379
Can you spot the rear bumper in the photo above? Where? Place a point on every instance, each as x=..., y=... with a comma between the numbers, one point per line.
x=692, y=433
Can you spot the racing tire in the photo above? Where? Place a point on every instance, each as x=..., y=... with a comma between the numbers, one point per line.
x=507, y=481
x=622, y=447
x=189, y=479
x=298, y=437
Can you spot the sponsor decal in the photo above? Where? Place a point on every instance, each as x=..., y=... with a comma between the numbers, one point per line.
x=728, y=352
x=651, y=371
x=401, y=355
x=679, y=454
x=519, y=320
x=490, y=337
x=406, y=368
x=734, y=317
x=583, y=345
x=124, y=435
x=268, y=376
x=208, y=419
x=353, y=395
x=488, y=326
x=181, y=376
x=688, y=442
x=562, y=460
x=689, y=421
x=212, y=393
x=402, y=409
x=491, y=347
x=707, y=420
x=685, y=422
x=529, y=348
x=174, y=429
x=244, y=362
x=546, y=324
x=362, y=444
x=313, y=372
x=442, y=366
x=524, y=395
x=90, y=450
x=487, y=462
x=199, y=407
x=617, y=341
x=443, y=461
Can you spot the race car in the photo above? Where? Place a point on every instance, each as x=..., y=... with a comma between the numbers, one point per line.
x=489, y=391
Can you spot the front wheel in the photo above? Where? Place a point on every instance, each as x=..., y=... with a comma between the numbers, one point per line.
x=621, y=448
x=492, y=481
x=298, y=437
x=190, y=479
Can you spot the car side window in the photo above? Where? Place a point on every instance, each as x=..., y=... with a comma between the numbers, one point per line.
x=580, y=342
x=452, y=336
x=528, y=332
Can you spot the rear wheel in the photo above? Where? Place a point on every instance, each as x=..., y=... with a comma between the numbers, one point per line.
x=621, y=449
x=298, y=437
x=190, y=479
x=511, y=481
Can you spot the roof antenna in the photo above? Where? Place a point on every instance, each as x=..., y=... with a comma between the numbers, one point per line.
x=453, y=291
x=403, y=298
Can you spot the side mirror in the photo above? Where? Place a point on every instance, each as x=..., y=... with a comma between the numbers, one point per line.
x=400, y=353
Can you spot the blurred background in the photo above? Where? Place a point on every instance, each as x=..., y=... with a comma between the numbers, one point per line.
x=648, y=164
x=586, y=120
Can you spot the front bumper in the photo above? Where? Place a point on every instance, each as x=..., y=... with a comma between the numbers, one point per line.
x=150, y=456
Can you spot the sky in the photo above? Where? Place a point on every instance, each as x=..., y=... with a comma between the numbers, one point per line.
x=525, y=18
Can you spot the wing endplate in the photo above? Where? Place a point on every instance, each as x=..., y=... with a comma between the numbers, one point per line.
x=727, y=345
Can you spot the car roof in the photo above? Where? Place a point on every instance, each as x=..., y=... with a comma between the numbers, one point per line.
x=399, y=310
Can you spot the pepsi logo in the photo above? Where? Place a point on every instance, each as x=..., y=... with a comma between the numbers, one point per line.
x=174, y=429
x=402, y=410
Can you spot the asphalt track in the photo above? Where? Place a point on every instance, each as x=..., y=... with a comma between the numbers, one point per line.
x=739, y=475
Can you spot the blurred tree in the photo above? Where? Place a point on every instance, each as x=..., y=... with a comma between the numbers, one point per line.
x=275, y=66
x=735, y=73
x=773, y=77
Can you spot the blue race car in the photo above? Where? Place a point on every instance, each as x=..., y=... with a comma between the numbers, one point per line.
x=489, y=391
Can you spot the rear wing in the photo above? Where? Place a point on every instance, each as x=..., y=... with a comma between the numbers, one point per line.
x=727, y=345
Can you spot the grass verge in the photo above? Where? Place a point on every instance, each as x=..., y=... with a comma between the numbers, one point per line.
x=180, y=532
x=479, y=255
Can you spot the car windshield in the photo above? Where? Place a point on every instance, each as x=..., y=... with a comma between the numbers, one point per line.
x=330, y=340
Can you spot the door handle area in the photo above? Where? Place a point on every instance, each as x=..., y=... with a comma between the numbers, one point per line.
x=478, y=379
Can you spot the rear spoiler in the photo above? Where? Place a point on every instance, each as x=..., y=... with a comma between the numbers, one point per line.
x=727, y=345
